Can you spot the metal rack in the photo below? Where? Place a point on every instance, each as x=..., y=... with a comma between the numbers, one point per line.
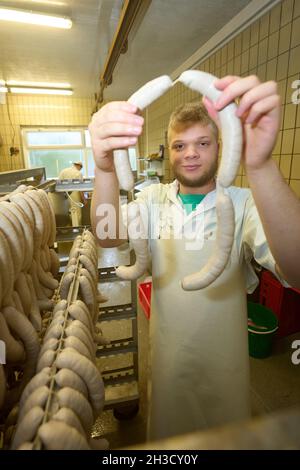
x=86, y=184
x=150, y=164
x=127, y=376
x=121, y=383
x=10, y=180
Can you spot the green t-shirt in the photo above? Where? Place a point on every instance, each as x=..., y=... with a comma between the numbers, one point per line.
x=191, y=201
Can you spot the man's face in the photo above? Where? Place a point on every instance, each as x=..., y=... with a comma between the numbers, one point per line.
x=194, y=155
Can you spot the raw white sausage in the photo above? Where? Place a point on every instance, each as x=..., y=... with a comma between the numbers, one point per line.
x=20, y=325
x=2, y=385
x=71, y=398
x=38, y=380
x=28, y=426
x=38, y=398
x=56, y=435
x=66, y=415
x=138, y=240
x=71, y=359
x=69, y=378
x=218, y=260
x=232, y=135
x=14, y=349
x=148, y=93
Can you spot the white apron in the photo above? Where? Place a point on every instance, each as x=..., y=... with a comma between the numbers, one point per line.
x=75, y=209
x=199, y=344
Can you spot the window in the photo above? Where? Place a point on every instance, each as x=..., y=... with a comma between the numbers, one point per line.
x=62, y=138
x=57, y=148
x=55, y=160
x=132, y=158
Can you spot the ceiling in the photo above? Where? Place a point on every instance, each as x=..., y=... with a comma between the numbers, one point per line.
x=169, y=33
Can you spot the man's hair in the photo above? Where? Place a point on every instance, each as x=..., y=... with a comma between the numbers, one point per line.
x=185, y=115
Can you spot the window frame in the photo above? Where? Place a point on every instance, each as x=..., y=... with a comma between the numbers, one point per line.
x=27, y=147
x=84, y=147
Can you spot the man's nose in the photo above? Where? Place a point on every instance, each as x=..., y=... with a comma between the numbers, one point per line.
x=191, y=151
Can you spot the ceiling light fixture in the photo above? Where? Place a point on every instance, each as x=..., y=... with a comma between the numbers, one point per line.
x=3, y=88
x=22, y=16
x=40, y=91
x=47, y=2
x=43, y=106
x=37, y=84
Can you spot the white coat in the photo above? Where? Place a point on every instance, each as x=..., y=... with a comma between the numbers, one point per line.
x=199, y=340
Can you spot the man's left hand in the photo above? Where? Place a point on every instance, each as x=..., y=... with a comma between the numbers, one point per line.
x=259, y=109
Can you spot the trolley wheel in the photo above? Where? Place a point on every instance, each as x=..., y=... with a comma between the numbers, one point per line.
x=123, y=412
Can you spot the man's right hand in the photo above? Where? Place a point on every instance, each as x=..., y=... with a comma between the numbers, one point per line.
x=115, y=126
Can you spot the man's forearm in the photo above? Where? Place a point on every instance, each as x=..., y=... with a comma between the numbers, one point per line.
x=105, y=209
x=279, y=210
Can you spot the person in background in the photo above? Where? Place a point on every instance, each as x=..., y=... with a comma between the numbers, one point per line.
x=72, y=172
x=199, y=340
x=76, y=199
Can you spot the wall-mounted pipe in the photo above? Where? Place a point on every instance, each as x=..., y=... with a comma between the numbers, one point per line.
x=131, y=14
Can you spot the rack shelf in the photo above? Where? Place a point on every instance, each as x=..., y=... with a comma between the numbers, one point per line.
x=121, y=383
x=86, y=184
x=117, y=312
x=123, y=346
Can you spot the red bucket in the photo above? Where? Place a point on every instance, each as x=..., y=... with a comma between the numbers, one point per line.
x=145, y=297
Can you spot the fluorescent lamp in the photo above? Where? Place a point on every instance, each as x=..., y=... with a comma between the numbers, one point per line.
x=41, y=91
x=37, y=84
x=59, y=4
x=50, y=106
x=22, y=16
x=3, y=88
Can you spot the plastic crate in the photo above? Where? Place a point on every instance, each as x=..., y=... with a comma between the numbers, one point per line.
x=284, y=302
x=145, y=297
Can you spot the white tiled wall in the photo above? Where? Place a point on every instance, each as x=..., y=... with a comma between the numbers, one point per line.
x=33, y=110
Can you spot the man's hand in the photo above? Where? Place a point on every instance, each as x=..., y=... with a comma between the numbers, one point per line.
x=114, y=126
x=259, y=110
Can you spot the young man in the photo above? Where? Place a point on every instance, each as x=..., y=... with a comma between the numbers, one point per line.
x=199, y=347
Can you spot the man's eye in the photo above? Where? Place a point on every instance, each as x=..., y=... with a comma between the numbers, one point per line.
x=178, y=147
x=203, y=144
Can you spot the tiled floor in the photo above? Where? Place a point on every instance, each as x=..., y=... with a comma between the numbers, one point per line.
x=275, y=381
